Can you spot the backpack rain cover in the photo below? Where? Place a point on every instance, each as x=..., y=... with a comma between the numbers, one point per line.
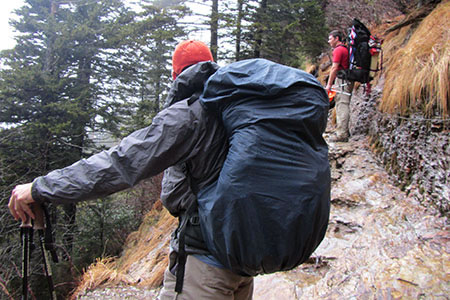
x=269, y=208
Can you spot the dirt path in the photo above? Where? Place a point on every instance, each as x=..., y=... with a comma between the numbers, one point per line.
x=380, y=243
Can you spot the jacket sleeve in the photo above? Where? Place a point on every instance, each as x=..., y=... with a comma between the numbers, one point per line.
x=169, y=140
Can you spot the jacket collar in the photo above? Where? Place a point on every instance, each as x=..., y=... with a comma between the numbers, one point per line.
x=191, y=81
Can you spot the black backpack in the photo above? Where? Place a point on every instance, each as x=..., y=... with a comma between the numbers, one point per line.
x=363, y=50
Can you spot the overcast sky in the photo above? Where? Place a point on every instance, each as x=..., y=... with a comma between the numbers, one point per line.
x=7, y=41
x=7, y=34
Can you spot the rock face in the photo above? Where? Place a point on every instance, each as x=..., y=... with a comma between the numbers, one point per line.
x=414, y=150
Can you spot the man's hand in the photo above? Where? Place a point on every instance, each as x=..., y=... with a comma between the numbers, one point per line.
x=332, y=76
x=19, y=203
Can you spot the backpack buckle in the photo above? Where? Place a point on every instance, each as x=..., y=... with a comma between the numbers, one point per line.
x=194, y=220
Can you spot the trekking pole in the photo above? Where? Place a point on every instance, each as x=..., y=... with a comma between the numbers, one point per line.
x=341, y=92
x=40, y=227
x=25, y=234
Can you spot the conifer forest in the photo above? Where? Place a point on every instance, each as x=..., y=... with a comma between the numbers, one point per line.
x=83, y=74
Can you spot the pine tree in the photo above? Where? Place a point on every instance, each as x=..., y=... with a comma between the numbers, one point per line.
x=288, y=30
x=157, y=32
x=285, y=31
x=52, y=91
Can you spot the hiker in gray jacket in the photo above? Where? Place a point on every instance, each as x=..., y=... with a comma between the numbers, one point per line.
x=188, y=143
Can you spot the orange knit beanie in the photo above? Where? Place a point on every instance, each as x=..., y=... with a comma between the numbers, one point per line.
x=188, y=53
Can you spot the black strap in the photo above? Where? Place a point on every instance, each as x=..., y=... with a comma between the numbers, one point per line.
x=49, y=240
x=182, y=255
x=47, y=243
x=47, y=266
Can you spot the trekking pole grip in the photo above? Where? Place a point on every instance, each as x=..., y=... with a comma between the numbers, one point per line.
x=38, y=216
x=27, y=223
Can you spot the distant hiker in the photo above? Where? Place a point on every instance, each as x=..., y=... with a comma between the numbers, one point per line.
x=342, y=87
x=251, y=131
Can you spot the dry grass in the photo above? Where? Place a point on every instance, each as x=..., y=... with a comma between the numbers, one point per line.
x=144, y=259
x=310, y=68
x=147, y=256
x=101, y=273
x=417, y=76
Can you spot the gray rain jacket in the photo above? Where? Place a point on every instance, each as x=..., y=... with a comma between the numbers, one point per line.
x=182, y=136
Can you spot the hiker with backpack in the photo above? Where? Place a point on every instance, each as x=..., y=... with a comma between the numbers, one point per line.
x=182, y=136
x=339, y=84
x=245, y=170
x=357, y=62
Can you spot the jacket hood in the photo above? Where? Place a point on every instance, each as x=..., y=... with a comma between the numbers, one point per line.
x=191, y=81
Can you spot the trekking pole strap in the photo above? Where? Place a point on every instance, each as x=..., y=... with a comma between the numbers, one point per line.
x=49, y=240
x=43, y=226
x=47, y=266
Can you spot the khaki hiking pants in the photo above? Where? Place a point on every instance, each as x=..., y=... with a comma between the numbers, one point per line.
x=342, y=106
x=203, y=281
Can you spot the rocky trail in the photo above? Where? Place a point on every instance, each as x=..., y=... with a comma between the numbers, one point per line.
x=380, y=244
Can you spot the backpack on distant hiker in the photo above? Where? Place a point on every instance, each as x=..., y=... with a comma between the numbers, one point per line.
x=269, y=208
x=364, y=54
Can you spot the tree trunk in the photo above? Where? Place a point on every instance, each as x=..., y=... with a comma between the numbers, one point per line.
x=238, y=30
x=214, y=28
x=259, y=34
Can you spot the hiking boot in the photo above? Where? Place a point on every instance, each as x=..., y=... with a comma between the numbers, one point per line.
x=338, y=138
